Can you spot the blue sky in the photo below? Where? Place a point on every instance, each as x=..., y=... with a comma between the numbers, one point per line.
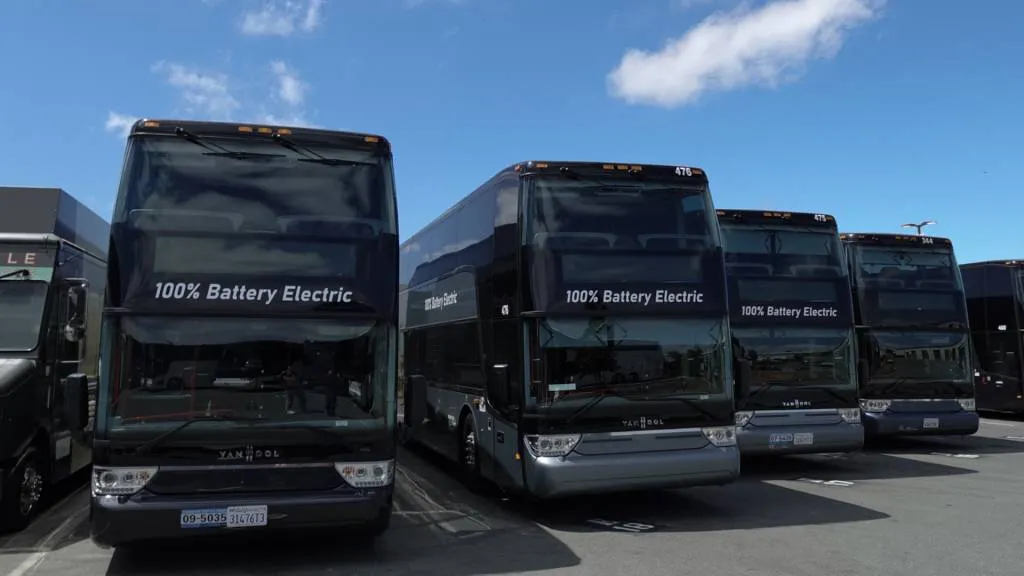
x=878, y=112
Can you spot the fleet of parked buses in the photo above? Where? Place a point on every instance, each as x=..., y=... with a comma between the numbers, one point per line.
x=246, y=344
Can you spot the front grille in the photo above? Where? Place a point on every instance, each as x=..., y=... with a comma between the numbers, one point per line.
x=245, y=480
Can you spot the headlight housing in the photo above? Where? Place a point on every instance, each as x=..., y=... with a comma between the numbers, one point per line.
x=367, y=474
x=552, y=445
x=121, y=481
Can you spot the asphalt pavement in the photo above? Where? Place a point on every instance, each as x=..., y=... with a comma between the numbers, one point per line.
x=938, y=507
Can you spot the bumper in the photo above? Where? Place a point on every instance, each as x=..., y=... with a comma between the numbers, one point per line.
x=114, y=522
x=594, y=474
x=914, y=424
x=761, y=440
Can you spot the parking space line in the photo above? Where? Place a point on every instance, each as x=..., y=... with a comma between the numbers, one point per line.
x=28, y=565
x=998, y=423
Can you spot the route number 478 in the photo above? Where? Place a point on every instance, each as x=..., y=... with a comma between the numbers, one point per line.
x=622, y=526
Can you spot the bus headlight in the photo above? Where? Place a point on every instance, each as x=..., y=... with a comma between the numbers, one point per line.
x=552, y=445
x=720, y=436
x=850, y=415
x=743, y=417
x=120, y=481
x=967, y=404
x=367, y=474
x=875, y=405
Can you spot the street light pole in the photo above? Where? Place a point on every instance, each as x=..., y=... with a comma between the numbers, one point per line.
x=919, y=226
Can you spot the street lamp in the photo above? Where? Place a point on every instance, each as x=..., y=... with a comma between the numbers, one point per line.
x=919, y=226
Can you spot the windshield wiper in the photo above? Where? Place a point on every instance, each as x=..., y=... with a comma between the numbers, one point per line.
x=218, y=150
x=605, y=393
x=20, y=274
x=314, y=157
x=149, y=445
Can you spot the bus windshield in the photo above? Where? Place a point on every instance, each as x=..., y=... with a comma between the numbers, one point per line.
x=782, y=251
x=21, y=306
x=254, y=185
x=909, y=287
x=272, y=369
x=918, y=356
x=672, y=356
x=796, y=356
x=618, y=230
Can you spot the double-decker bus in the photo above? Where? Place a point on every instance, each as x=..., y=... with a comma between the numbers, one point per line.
x=914, y=361
x=564, y=331
x=249, y=340
x=791, y=313
x=52, y=273
x=995, y=305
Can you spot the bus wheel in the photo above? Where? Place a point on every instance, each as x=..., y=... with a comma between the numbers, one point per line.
x=22, y=492
x=468, y=452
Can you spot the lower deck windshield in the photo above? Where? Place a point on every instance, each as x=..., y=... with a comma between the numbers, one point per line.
x=630, y=356
x=796, y=356
x=924, y=357
x=245, y=368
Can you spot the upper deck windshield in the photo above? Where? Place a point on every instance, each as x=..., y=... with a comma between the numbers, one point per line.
x=622, y=229
x=252, y=206
x=908, y=286
x=782, y=251
x=328, y=372
x=637, y=356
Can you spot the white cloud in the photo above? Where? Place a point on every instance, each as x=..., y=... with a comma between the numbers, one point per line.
x=283, y=18
x=211, y=95
x=290, y=87
x=120, y=124
x=205, y=93
x=744, y=47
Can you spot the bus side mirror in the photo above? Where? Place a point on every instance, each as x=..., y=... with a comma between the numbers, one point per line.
x=415, y=400
x=743, y=375
x=74, y=328
x=76, y=404
x=499, y=385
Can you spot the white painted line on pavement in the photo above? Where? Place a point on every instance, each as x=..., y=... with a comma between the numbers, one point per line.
x=28, y=565
x=998, y=423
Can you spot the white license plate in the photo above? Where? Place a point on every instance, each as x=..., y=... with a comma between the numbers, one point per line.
x=931, y=422
x=780, y=438
x=230, y=517
x=243, y=516
x=803, y=438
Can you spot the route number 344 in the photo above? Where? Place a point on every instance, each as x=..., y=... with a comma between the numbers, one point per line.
x=621, y=526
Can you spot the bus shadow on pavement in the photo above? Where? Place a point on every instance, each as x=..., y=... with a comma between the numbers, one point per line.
x=974, y=444
x=852, y=467
x=405, y=549
x=437, y=527
x=741, y=506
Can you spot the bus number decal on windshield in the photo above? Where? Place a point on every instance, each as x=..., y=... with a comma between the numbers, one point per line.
x=925, y=240
x=684, y=171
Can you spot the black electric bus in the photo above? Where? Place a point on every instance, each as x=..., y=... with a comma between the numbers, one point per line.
x=249, y=334
x=52, y=273
x=564, y=331
x=995, y=305
x=914, y=361
x=791, y=314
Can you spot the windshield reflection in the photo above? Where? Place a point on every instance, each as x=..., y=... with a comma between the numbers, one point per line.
x=672, y=356
x=797, y=356
x=920, y=356
x=21, y=307
x=266, y=369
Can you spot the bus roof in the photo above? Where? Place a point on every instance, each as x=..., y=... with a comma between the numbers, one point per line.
x=43, y=214
x=1007, y=263
x=557, y=166
x=165, y=127
x=757, y=217
x=887, y=239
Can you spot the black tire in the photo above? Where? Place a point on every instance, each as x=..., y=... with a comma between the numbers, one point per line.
x=22, y=492
x=469, y=461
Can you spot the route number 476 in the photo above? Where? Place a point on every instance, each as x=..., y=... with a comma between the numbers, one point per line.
x=622, y=526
